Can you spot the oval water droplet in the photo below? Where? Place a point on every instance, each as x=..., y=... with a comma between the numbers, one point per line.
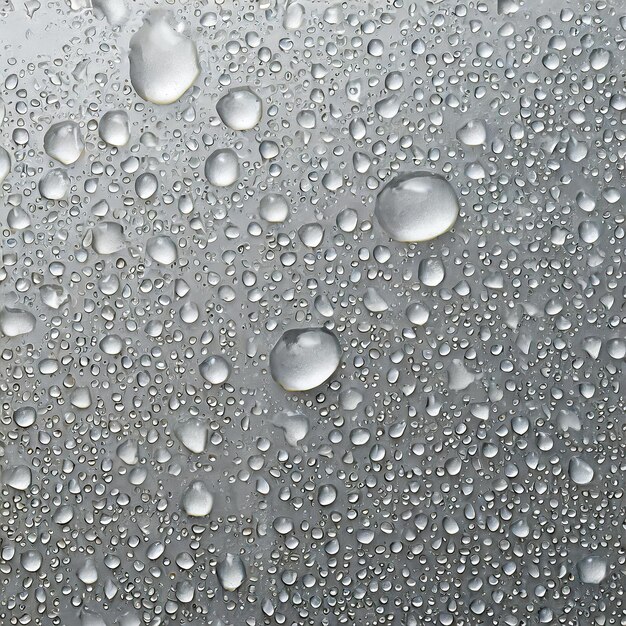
x=417, y=207
x=303, y=359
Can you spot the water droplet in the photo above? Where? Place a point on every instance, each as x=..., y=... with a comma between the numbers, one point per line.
x=231, y=572
x=303, y=359
x=215, y=370
x=163, y=62
x=63, y=142
x=222, y=168
x=417, y=207
x=114, y=128
x=240, y=109
x=197, y=500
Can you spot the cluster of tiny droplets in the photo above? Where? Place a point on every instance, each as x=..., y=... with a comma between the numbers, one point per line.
x=312, y=313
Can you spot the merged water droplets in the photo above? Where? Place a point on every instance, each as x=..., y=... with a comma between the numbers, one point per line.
x=15, y=321
x=473, y=133
x=107, y=238
x=55, y=185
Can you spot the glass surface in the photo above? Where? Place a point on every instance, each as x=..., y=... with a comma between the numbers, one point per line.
x=312, y=313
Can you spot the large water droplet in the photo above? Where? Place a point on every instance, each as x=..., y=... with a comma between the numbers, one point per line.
x=64, y=142
x=162, y=249
x=222, y=168
x=417, y=207
x=5, y=164
x=114, y=128
x=231, y=572
x=55, y=185
x=215, y=370
x=274, y=208
x=240, y=109
x=592, y=570
x=580, y=471
x=107, y=238
x=303, y=359
x=163, y=63
x=15, y=322
x=197, y=500
x=474, y=133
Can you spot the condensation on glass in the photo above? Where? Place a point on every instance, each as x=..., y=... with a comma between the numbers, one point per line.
x=312, y=313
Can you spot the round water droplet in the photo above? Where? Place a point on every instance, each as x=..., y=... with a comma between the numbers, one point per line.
x=146, y=185
x=274, y=208
x=431, y=272
x=114, y=128
x=163, y=62
x=240, y=109
x=222, y=168
x=25, y=416
x=31, y=560
x=63, y=515
x=311, y=235
x=417, y=313
x=111, y=344
x=162, y=250
x=599, y=58
x=215, y=370
x=326, y=495
x=64, y=142
x=417, y=207
x=303, y=359
x=592, y=570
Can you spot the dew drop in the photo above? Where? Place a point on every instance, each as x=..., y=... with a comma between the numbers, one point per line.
x=417, y=207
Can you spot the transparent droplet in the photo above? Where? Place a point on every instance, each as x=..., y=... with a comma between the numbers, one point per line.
x=222, y=168
x=114, y=128
x=303, y=359
x=63, y=142
x=215, y=370
x=274, y=208
x=231, y=572
x=417, y=207
x=163, y=62
x=197, y=500
x=240, y=109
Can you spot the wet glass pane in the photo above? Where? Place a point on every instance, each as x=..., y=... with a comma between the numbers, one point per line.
x=312, y=313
